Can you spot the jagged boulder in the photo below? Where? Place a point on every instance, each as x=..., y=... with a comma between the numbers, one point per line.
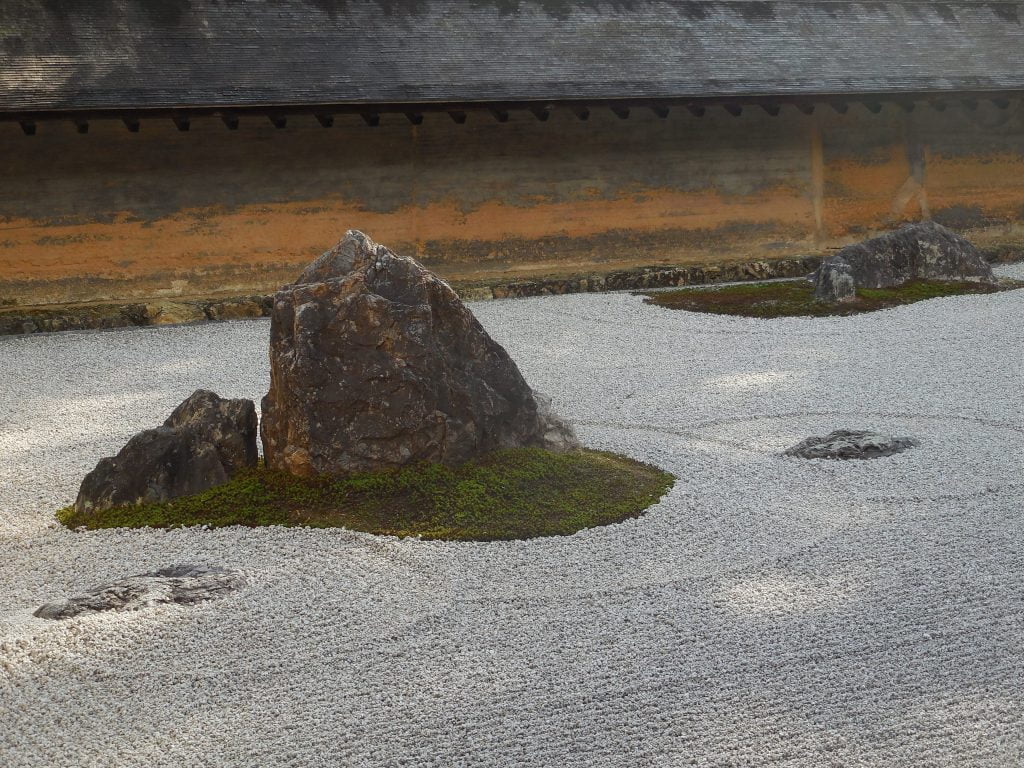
x=922, y=251
x=375, y=362
x=205, y=441
x=180, y=584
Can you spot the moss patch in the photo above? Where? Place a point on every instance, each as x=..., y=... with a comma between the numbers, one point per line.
x=513, y=494
x=796, y=298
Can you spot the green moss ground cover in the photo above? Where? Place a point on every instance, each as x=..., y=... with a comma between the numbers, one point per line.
x=796, y=298
x=513, y=494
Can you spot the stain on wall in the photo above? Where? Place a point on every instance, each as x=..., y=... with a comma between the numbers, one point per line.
x=111, y=214
x=899, y=166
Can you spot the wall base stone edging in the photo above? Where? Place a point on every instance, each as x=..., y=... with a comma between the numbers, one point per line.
x=176, y=312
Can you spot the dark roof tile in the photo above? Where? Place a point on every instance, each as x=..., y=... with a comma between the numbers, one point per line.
x=119, y=54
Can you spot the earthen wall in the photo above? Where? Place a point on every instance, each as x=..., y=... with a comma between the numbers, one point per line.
x=159, y=213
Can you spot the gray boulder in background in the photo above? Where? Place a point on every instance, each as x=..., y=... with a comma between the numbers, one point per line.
x=922, y=251
x=850, y=444
x=181, y=584
x=205, y=441
x=377, y=363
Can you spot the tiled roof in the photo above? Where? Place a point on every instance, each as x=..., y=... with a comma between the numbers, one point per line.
x=119, y=54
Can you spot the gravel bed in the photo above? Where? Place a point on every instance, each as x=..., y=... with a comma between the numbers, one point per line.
x=768, y=611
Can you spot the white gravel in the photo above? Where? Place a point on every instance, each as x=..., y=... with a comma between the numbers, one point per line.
x=768, y=611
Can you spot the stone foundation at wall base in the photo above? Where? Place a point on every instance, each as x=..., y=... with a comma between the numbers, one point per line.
x=81, y=317
x=180, y=310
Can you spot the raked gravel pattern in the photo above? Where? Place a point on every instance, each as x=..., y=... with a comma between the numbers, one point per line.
x=768, y=611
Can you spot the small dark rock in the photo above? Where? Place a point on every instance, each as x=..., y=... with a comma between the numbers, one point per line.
x=924, y=251
x=203, y=443
x=181, y=584
x=850, y=444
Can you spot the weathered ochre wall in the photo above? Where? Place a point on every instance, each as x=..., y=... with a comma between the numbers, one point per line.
x=112, y=215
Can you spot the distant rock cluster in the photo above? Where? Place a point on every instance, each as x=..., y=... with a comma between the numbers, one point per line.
x=921, y=251
x=375, y=363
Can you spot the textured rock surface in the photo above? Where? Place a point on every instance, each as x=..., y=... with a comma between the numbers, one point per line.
x=175, y=313
x=375, y=362
x=203, y=442
x=835, y=282
x=228, y=425
x=236, y=309
x=182, y=584
x=922, y=251
x=850, y=444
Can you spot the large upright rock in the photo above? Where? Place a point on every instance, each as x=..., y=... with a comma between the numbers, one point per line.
x=205, y=441
x=923, y=251
x=375, y=362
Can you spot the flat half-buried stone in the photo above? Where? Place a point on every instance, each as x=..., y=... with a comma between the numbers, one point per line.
x=178, y=584
x=375, y=363
x=850, y=444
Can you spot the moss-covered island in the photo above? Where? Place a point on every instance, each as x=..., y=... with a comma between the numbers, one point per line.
x=514, y=494
x=795, y=298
